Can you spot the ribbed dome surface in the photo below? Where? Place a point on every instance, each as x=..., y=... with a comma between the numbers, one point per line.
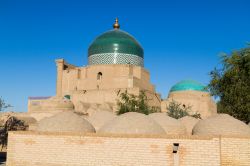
x=65, y=122
x=221, y=124
x=189, y=122
x=188, y=85
x=132, y=123
x=170, y=125
x=115, y=47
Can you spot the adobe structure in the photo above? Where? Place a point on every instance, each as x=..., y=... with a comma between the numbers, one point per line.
x=79, y=126
x=116, y=64
x=191, y=94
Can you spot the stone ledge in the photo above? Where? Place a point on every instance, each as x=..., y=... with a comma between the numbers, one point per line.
x=192, y=137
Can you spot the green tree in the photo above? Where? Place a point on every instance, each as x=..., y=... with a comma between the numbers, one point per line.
x=177, y=110
x=3, y=105
x=133, y=103
x=231, y=83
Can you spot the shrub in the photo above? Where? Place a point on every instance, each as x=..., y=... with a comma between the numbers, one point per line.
x=12, y=124
x=177, y=110
x=132, y=103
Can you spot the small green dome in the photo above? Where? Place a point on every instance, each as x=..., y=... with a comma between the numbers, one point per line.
x=188, y=85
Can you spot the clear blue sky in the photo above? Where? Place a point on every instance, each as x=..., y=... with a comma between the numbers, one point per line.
x=181, y=39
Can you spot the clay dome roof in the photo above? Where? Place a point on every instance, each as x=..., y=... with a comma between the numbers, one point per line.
x=105, y=107
x=99, y=118
x=28, y=120
x=221, y=124
x=132, y=123
x=65, y=121
x=189, y=122
x=188, y=85
x=91, y=110
x=81, y=107
x=115, y=47
x=170, y=125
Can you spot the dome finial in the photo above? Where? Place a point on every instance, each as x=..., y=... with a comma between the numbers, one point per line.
x=116, y=25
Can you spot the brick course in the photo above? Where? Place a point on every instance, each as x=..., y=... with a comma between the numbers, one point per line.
x=53, y=149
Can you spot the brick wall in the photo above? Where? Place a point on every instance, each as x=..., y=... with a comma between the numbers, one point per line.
x=235, y=151
x=50, y=149
x=31, y=148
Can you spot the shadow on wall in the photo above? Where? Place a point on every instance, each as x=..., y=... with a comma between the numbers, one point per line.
x=2, y=158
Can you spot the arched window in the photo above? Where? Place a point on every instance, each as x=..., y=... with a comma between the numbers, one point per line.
x=99, y=76
x=67, y=97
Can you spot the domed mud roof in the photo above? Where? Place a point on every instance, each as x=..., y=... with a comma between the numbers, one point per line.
x=170, y=125
x=221, y=124
x=132, y=123
x=65, y=121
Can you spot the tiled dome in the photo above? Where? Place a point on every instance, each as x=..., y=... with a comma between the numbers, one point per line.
x=188, y=85
x=115, y=47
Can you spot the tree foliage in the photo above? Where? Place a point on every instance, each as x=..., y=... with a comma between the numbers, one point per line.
x=231, y=83
x=133, y=103
x=178, y=110
x=3, y=105
x=12, y=124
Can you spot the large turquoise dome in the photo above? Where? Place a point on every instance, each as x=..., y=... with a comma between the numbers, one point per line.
x=188, y=85
x=115, y=47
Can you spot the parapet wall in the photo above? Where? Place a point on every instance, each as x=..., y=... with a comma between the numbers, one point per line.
x=33, y=148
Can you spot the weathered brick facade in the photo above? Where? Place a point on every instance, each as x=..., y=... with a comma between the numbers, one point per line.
x=50, y=149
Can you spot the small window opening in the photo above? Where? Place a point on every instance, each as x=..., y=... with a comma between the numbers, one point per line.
x=99, y=76
x=65, y=67
x=79, y=74
x=175, y=147
x=67, y=97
